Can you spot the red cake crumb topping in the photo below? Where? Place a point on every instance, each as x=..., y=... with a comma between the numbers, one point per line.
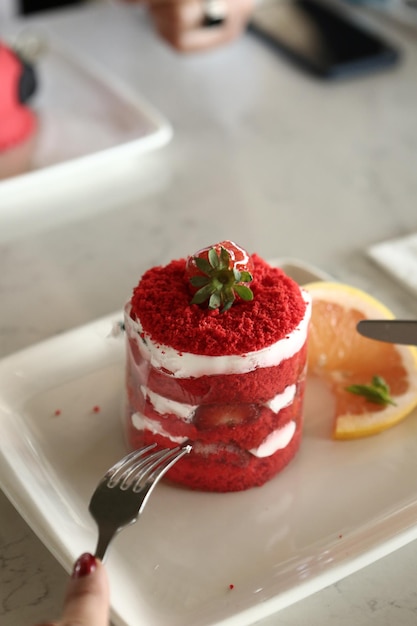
x=162, y=303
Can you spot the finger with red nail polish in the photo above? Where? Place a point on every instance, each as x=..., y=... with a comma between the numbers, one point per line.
x=87, y=600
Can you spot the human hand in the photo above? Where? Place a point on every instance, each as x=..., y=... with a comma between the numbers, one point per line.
x=181, y=22
x=87, y=599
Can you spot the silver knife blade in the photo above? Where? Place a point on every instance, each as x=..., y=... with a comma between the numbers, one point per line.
x=392, y=331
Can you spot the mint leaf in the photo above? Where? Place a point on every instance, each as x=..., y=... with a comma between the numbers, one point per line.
x=377, y=391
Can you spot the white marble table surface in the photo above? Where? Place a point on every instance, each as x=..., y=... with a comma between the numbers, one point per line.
x=284, y=164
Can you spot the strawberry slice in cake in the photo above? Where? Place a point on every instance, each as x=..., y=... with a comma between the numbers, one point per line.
x=216, y=357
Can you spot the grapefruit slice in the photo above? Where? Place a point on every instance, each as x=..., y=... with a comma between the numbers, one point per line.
x=343, y=358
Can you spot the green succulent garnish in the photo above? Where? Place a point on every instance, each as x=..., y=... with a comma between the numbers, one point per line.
x=218, y=283
x=377, y=391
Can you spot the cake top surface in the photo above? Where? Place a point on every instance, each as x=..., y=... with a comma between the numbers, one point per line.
x=161, y=302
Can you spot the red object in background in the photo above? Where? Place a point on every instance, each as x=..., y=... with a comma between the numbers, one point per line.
x=17, y=121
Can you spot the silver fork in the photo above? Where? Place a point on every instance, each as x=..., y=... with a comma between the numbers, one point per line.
x=123, y=492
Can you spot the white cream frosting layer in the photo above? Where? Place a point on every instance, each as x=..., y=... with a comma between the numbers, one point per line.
x=141, y=422
x=281, y=400
x=188, y=365
x=164, y=405
x=277, y=440
x=186, y=412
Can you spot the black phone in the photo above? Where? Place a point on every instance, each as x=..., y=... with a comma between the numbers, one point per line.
x=322, y=38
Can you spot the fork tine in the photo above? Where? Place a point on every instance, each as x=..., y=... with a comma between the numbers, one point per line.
x=143, y=462
x=156, y=466
x=113, y=473
x=147, y=468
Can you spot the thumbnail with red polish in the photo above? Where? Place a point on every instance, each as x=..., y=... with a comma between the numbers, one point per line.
x=85, y=565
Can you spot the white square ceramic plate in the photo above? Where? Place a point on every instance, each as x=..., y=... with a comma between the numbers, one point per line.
x=337, y=507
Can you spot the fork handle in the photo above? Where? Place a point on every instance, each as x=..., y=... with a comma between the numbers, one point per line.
x=105, y=537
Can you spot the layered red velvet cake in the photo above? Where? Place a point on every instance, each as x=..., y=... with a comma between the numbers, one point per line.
x=216, y=357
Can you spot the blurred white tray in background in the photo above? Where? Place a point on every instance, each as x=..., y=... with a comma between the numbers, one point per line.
x=89, y=123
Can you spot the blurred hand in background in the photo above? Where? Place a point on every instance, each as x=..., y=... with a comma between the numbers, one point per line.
x=193, y=25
